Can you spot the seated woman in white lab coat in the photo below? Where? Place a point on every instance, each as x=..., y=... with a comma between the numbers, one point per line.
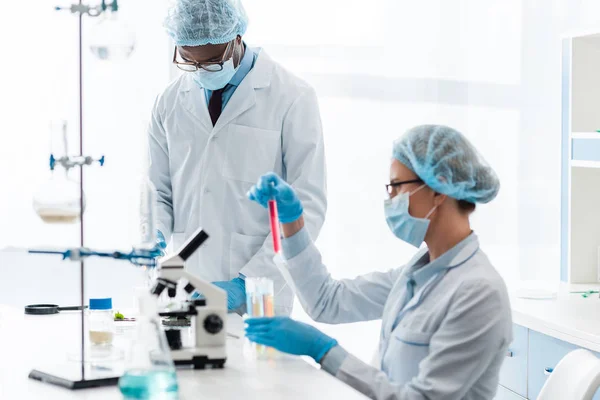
x=446, y=319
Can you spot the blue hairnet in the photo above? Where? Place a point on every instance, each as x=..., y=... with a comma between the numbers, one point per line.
x=200, y=22
x=447, y=162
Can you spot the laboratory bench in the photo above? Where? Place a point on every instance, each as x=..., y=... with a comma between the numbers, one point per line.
x=544, y=332
x=31, y=341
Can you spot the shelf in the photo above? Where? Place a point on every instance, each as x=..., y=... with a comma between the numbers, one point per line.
x=585, y=150
x=585, y=135
x=585, y=164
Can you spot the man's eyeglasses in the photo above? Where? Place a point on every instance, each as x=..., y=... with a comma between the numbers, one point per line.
x=210, y=66
x=392, y=188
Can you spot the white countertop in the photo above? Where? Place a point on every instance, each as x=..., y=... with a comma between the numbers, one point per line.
x=28, y=342
x=568, y=317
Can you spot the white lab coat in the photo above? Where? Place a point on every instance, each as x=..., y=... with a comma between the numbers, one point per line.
x=447, y=342
x=202, y=173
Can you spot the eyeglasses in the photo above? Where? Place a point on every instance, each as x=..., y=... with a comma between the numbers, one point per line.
x=392, y=188
x=210, y=66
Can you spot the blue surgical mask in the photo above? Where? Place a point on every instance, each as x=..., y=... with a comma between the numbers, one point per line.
x=406, y=227
x=215, y=80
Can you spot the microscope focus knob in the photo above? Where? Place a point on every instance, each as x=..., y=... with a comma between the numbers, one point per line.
x=213, y=324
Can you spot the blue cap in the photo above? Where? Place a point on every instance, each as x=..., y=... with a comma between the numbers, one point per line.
x=448, y=163
x=200, y=22
x=101, y=304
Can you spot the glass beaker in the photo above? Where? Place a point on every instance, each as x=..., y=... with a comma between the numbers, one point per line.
x=259, y=297
x=149, y=369
x=260, y=302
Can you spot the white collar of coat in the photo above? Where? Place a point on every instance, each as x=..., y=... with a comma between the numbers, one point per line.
x=260, y=74
x=471, y=245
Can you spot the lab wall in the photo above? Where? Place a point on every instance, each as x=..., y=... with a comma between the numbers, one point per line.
x=489, y=69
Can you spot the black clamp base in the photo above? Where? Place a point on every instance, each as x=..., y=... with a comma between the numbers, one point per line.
x=202, y=362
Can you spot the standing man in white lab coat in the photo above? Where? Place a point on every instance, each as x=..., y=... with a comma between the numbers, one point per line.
x=233, y=115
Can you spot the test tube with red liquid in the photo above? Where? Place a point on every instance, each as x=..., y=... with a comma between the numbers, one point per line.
x=274, y=220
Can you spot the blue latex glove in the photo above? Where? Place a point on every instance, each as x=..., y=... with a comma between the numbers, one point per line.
x=161, y=243
x=271, y=187
x=236, y=292
x=156, y=252
x=289, y=336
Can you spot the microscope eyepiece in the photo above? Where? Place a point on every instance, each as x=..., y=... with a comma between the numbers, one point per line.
x=158, y=288
x=162, y=284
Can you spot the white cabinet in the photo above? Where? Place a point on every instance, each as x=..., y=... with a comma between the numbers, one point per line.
x=513, y=374
x=532, y=358
x=580, y=216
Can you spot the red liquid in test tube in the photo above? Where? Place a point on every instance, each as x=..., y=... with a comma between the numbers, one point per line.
x=274, y=220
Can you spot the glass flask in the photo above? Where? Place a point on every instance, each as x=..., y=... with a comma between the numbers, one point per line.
x=149, y=369
x=57, y=199
x=111, y=39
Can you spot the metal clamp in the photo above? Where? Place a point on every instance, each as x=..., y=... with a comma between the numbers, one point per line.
x=548, y=371
x=69, y=162
x=91, y=11
x=81, y=9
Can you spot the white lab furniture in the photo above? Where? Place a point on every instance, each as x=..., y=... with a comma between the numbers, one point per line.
x=545, y=331
x=580, y=214
x=27, y=342
x=576, y=377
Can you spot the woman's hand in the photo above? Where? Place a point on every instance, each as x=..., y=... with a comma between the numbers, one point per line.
x=289, y=336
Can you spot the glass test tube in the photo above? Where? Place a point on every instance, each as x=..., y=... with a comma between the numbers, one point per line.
x=260, y=297
x=274, y=221
x=260, y=303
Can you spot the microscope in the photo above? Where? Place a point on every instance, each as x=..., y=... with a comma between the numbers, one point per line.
x=208, y=314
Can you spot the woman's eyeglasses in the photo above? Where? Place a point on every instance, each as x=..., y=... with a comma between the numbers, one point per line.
x=393, y=188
